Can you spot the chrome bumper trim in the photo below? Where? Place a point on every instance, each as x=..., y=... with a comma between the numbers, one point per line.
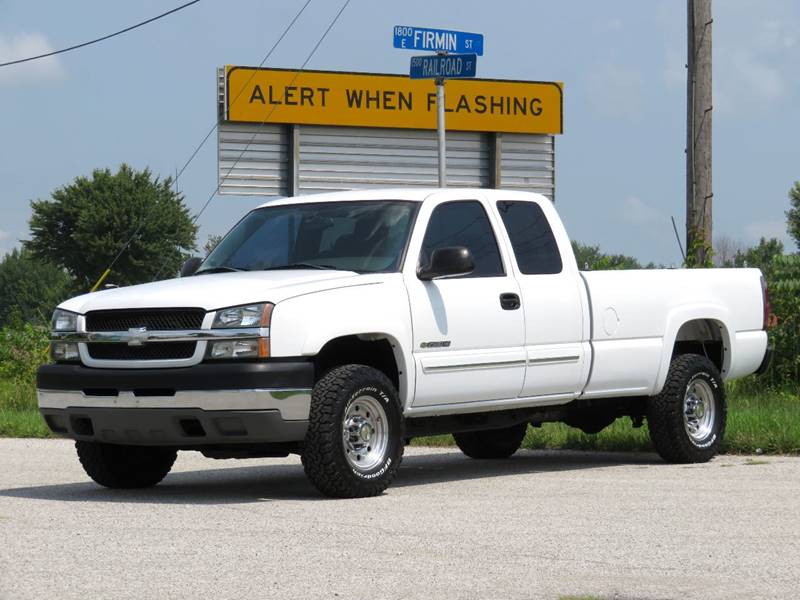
x=183, y=335
x=293, y=404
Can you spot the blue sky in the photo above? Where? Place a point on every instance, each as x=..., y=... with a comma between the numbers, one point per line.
x=147, y=98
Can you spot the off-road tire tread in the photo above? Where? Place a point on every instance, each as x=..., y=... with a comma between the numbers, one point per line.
x=125, y=467
x=665, y=418
x=491, y=443
x=322, y=460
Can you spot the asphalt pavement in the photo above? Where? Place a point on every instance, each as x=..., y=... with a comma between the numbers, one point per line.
x=539, y=525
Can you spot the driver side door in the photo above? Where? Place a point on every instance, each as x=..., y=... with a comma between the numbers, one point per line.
x=468, y=344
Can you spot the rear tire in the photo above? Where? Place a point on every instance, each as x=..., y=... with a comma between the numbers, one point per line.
x=687, y=419
x=491, y=443
x=125, y=467
x=354, y=443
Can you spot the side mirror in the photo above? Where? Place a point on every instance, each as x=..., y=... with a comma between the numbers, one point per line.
x=190, y=266
x=446, y=262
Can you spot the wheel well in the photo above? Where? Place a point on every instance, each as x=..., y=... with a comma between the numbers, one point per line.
x=704, y=337
x=353, y=349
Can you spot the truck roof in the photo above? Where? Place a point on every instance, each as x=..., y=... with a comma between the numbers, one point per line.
x=410, y=194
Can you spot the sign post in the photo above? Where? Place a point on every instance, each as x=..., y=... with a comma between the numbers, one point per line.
x=440, y=135
x=439, y=67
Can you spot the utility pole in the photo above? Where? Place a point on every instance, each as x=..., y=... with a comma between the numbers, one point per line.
x=699, y=193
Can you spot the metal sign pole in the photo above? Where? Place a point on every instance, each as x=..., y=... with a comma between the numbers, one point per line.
x=440, y=129
x=463, y=64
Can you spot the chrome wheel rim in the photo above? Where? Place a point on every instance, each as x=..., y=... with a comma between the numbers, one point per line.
x=365, y=433
x=699, y=410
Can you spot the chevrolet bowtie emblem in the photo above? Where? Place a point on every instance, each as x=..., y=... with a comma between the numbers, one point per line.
x=137, y=336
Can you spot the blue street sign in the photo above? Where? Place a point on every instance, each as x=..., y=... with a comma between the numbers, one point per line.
x=445, y=66
x=437, y=40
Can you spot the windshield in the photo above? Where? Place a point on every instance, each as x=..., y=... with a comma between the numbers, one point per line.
x=364, y=236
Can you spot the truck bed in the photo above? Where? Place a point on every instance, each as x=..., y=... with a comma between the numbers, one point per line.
x=628, y=343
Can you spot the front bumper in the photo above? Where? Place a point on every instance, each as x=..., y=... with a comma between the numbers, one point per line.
x=258, y=402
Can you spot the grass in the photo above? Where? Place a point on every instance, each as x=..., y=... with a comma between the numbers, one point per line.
x=766, y=421
x=19, y=416
x=759, y=421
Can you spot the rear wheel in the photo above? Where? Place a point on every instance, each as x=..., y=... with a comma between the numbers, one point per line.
x=491, y=443
x=354, y=443
x=125, y=467
x=687, y=419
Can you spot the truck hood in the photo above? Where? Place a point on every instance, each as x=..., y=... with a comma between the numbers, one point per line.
x=218, y=290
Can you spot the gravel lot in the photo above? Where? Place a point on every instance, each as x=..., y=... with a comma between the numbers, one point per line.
x=540, y=525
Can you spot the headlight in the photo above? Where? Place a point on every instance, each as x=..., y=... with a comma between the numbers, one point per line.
x=64, y=320
x=250, y=315
x=237, y=349
x=64, y=351
x=236, y=317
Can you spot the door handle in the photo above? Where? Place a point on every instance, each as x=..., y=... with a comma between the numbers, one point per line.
x=509, y=301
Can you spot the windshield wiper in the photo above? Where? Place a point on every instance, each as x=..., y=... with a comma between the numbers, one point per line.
x=218, y=270
x=303, y=265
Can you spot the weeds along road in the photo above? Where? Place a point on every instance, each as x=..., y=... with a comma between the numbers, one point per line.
x=540, y=525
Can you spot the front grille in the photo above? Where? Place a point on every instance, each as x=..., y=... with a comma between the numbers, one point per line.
x=154, y=319
x=152, y=351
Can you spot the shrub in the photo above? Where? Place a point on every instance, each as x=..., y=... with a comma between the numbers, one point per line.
x=784, y=291
x=23, y=347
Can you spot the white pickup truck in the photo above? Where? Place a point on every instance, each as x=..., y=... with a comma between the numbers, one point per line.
x=338, y=326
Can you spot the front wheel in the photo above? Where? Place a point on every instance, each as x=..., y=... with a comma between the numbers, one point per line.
x=687, y=419
x=125, y=467
x=354, y=443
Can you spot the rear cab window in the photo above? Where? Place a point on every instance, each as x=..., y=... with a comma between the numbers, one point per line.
x=532, y=239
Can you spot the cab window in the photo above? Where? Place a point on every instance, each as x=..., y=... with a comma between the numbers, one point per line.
x=532, y=239
x=464, y=223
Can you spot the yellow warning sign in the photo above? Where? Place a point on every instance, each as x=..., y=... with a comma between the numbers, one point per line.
x=366, y=100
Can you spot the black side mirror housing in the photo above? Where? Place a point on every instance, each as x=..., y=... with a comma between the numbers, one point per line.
x=190, y=266
x=448, y=262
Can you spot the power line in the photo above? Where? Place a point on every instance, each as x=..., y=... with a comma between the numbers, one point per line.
x=210, y=131
x=100, y=39
x=266, y=119
x=231, y=103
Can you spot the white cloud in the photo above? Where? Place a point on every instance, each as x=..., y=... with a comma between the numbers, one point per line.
x=635, y=210
x=608, y=25
x=674, y=70
x=616, y=91
x=23, y=45
x=754, y=67
x=755, y=230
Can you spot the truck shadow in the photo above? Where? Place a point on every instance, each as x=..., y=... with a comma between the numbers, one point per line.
x=264, y=482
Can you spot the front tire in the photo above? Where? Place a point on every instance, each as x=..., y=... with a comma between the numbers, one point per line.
x=687, y=419
x=491, y=443
x=354, y=444
x=125, y=467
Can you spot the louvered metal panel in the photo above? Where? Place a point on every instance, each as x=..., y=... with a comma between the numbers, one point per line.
x=253, y=159
x=336, y=158
x=527, y=162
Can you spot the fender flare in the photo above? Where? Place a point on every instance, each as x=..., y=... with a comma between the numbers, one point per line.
x=677, y=318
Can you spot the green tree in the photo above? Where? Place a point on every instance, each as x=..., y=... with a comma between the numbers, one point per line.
x=591, y=258
x=88, y=222
x=784, y=292
x=793, y=214
x=761, y=256
x=30, y=288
